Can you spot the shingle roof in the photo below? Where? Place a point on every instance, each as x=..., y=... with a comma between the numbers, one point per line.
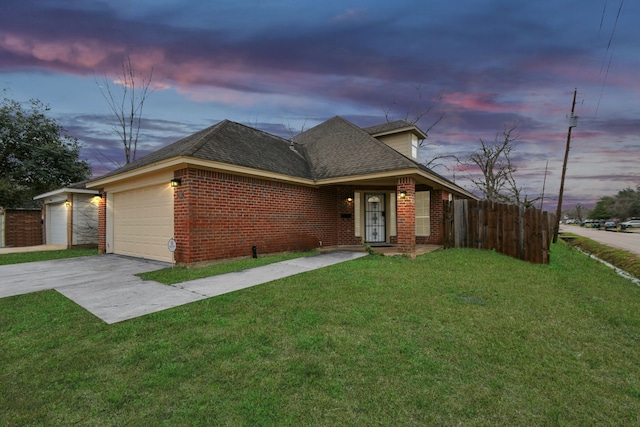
x=235, y=144
x=392, y=126
x=385, y=127
x=338, y=148
x=333, y=149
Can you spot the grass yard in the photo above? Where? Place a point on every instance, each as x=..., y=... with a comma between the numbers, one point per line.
x=455, y=337
x=627, y=261
x=22, y=257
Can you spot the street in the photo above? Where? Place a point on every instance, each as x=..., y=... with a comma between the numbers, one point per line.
x=629, y=241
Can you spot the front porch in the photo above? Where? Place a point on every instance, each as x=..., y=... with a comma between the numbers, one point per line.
x=387, y=250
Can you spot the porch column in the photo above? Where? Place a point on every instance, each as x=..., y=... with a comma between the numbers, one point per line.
x=102, y=223
x=182, y=197
x=405, y=193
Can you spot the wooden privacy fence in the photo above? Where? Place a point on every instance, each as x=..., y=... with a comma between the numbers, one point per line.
x=509, y=229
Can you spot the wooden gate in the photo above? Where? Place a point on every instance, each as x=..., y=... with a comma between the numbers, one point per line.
x=509, y=229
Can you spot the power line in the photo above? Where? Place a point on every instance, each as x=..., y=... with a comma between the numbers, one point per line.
x=604, y=61
x=604, y=9
x=604, y=82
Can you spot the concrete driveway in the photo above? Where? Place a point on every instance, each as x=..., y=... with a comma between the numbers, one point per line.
x=106, y=285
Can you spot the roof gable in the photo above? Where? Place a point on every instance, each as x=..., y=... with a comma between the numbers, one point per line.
x=338, y=148
x=232, y=143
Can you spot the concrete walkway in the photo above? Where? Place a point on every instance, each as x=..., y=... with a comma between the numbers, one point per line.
x=106, y=285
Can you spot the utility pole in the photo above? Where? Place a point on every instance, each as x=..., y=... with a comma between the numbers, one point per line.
x=573, y=122
x=544, y=184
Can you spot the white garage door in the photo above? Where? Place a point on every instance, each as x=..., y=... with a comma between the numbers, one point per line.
x=143, y=222
x=56, y=217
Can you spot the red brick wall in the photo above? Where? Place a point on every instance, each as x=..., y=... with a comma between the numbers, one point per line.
x=102, y=224
x=346, y=217
x=407, y=216
x=218, y=215
x=23, y=227
x=437, y=219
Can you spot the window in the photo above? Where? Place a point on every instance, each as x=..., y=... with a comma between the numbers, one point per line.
x=414, y=146
x=423, y=214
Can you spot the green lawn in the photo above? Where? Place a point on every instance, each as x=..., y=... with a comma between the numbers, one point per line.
x=22, y=257
x=455, y=337
x=627, y=261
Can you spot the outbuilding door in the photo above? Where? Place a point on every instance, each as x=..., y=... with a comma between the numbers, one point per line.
x=143, y=222
x=56, y=223
x=374, y=218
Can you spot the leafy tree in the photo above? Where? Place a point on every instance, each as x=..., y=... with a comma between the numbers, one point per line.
x=36, y=155
x=602, y=210
x=627, y=204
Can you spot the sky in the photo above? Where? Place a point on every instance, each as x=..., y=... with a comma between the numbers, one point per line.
x=287, y=65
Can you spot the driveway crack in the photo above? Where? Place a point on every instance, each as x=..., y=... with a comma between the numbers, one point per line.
x=177, y=286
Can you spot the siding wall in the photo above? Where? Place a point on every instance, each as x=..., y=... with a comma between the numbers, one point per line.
x=85, y=220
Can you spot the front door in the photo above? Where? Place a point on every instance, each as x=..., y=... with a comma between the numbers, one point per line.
x=374, y=222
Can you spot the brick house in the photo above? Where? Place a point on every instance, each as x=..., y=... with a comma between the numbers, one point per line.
x=228, y=188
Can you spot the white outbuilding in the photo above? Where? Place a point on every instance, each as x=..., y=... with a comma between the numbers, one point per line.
x=70, y=216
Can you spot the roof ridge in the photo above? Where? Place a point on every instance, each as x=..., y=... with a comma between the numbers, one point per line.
x=380, y=143
x=201, y=139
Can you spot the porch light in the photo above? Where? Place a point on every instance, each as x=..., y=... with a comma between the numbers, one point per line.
x=403, y=194
x=67, y=203
x=349, y=199
x=176, y=182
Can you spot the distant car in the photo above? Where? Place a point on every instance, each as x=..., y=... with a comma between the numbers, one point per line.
x=610, y=225
x=632, y=223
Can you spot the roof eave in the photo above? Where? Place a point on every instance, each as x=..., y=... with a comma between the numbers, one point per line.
x=178, y=162
x=63, y=191
x=398, y=173
x=413, y=129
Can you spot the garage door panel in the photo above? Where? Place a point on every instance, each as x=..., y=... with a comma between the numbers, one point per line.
x=56, y=224
x=143, y=222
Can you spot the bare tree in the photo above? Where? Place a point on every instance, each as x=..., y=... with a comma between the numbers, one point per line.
x=497, y=182
x=493, y=160
x=415, y=115
x=419, y=111
x=580, y=211
x=127, y=104
x=293, y=132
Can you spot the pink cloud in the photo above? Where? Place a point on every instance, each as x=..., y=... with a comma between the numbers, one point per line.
x=478, y=101
x=79, y=56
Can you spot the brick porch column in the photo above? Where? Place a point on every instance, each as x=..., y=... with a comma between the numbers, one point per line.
x=102, y=223
x=181, y=217
x=405, y=193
